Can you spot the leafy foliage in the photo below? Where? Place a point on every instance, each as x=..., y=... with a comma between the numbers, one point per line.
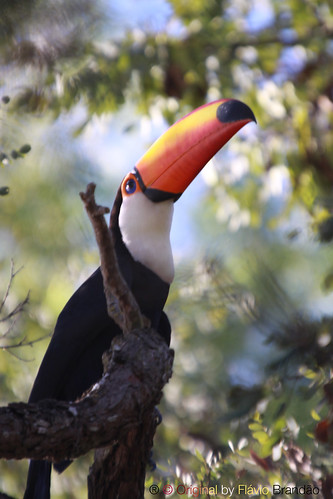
x=250, y=402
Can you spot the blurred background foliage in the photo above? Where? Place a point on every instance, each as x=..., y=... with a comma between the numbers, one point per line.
x=85, y=87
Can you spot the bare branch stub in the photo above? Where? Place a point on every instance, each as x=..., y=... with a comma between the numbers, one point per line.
x=122, y=306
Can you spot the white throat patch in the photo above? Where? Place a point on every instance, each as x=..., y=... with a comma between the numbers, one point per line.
x=145, y=229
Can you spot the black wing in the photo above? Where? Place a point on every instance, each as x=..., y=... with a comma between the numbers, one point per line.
x=83, y=331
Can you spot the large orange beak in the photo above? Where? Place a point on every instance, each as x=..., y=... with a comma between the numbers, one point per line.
x=176, y=158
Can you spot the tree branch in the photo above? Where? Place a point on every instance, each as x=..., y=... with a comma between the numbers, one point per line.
x=135, y=374
x=122, y=306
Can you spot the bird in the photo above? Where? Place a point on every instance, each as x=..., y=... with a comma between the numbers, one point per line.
x=140, y=224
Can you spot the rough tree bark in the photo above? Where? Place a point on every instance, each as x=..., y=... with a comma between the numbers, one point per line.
x=117, y=416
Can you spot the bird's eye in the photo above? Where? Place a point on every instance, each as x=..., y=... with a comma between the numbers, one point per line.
x=130, y=186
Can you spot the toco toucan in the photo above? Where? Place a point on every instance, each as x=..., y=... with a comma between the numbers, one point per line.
x=140, y=224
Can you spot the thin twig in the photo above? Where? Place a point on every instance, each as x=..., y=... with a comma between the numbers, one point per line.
x=12, y=316
x=22, y=343
x=17, y=310
x=10, y=282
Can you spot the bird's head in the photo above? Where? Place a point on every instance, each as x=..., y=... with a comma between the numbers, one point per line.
x=164, y=172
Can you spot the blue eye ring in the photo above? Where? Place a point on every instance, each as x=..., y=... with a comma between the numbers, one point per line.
x=130, y=186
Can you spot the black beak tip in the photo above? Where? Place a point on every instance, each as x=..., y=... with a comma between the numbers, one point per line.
x=234, y=110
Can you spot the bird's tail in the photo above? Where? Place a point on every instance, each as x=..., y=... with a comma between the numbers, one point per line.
x=39, y=480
